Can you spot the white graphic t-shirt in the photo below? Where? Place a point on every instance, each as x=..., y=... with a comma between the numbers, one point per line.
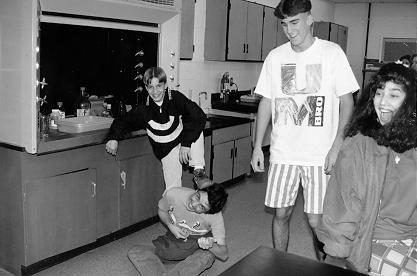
x=304, y=89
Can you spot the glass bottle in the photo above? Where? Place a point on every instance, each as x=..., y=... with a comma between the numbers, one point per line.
x=61, y=110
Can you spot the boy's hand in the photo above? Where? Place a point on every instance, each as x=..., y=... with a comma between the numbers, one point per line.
x=257, y=160
x=206, y=243
x=185, y=154
x=111, y=147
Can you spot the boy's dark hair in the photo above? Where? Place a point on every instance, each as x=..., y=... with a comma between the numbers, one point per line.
x=287, y=8
x=400, y=134
x=217, y=197
x=154, y=72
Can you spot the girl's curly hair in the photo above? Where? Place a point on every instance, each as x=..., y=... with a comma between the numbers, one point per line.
x=400, y=134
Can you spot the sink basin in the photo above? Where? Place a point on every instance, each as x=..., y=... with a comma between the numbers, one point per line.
x=83, y=124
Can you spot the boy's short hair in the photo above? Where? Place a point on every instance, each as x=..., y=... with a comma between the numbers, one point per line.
x=217, y=197
x=287, y=8
x=154, y=72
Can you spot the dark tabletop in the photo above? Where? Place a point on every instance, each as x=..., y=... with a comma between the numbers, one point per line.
x=265, y=261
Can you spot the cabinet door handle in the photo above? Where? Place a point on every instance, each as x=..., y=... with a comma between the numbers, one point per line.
x=235, y=152
x=94, y=189
x=244, y=47
x=247, y=48
x=123, y=178
x=231, y=153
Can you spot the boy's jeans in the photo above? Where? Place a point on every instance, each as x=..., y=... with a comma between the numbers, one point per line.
x=172, y=168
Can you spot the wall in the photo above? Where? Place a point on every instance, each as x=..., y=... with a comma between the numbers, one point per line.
x=199, y=75
x=354, y=16
x=387, y=20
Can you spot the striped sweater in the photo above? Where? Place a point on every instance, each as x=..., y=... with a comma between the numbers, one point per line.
x=177, y=121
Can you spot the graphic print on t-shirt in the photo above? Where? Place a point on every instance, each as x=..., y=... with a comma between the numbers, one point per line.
x=183, y=224
x=310, y=111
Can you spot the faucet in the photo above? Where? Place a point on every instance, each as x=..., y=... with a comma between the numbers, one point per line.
x=199, y=98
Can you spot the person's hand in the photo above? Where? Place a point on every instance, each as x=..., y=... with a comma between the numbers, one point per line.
x=206, y=243
x=111, y=147
x=178, y=232
x=257, y=161
x=331, y=159
x=185, y=154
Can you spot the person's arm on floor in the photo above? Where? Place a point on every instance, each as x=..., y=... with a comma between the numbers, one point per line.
x=346, y=108
x=262, y=121
x=216, y=246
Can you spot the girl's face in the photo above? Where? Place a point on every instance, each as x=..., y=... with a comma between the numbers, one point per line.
x=387, y=101
x=156, y=90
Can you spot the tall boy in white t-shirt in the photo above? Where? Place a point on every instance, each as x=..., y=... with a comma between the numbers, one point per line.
x=306, y=86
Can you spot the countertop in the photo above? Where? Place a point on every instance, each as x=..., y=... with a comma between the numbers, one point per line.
x=59, y=141
x=234, y=103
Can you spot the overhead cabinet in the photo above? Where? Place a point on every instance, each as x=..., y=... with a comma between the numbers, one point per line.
x=270, y=31
x=244, y=40
x=332, y=32
x=216, y=30
x=187, y=29
x=238, y=30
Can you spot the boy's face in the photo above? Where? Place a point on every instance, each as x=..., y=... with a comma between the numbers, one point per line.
x=198, y=203
x=156, y=90
x=298, y=30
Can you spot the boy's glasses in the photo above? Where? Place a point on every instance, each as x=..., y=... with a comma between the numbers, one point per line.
x=158, y=87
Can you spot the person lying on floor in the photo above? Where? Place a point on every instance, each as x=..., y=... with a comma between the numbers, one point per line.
x=196, y=234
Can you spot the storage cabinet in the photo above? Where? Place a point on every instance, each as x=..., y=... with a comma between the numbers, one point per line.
x=245, y=31
x=216, y=30
x=231, y=152
x=273, y=34
x=140, y=189
x=59, y=201
x=187, y=29
x=270, y=31
x=332, y=32
x=141, y=182
x=60, y=213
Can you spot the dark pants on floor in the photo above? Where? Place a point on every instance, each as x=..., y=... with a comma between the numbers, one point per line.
x=169, y=248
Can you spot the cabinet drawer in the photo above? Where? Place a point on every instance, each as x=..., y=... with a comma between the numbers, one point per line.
x=230, y=133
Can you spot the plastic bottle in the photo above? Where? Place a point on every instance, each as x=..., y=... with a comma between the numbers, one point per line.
x=85, y=105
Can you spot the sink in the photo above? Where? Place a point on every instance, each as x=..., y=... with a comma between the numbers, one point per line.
x=83, y=124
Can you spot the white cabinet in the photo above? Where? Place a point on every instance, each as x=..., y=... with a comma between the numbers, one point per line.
x=245, y=31
x=231, y=152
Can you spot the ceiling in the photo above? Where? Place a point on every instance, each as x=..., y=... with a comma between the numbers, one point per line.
x=374, y=1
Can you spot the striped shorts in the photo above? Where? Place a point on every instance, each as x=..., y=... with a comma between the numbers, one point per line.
x=394, y=257
x=283, y=184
